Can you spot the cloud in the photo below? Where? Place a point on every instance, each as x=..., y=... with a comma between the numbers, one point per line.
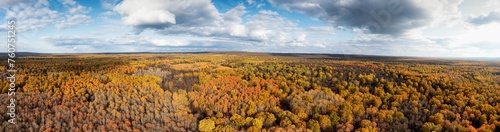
x=382, y=44
x=126, y=40
x=265, y=27
x=260, y=5
x=68, y=2
x=160, y=14
x=484, y=37
x=36, y=15
x=232, y=21
x=393, y=17
x=269, y=31
x=87, y=44
x=31, y=16
x=109, y=4
x=76, y=14
x=95, y=42
x=269, y=26
x=469, y=44
x=485, y=19
x=73, y=20
x=7, y=3
x=134, y=43
x=250, y=2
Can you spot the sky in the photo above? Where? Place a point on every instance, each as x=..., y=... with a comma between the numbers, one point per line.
x=423, y=28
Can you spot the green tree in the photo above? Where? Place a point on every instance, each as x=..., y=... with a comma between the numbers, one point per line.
x=313, y=125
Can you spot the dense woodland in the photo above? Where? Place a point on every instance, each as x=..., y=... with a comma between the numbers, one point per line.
x=251, y=92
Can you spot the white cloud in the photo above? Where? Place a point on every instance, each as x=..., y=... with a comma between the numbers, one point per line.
x=301, y=38
x=492, y=17
x=109, y=4
x=68, y=2
x=378, y=44
x=196, y=25
x=36, y=15
x=485, y=33
x=108, y=13
x=73, y=20
x=269, y=26
x=141, y=43
x=263, y=28
x=393, y=17
x=260, y=5
x=163, y=42
x=477, y=42
x=160, y=14
x=7, y=3
x=233, y=20
x=321, y=28
x=78, y=9
x=124, y=40
x=31, y=16
x=76, y=15
x=250, y=2
x=149, y=17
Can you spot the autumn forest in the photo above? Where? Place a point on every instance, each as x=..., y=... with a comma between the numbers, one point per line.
x=239, y=91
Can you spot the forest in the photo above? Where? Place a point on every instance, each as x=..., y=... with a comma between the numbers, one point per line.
x=234, y=91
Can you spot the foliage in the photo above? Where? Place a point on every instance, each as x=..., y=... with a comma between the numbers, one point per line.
x=206, y=125
x=251, y=92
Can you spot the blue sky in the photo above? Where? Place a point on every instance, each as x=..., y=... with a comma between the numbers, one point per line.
x=433, y=28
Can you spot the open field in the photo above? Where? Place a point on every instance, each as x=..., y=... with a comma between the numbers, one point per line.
x=240, y=91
